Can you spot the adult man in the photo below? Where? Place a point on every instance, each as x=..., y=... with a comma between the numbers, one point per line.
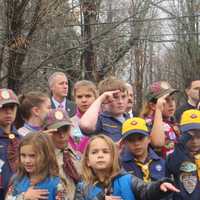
x=193, y=93
x=58, y=84
x=129, y=107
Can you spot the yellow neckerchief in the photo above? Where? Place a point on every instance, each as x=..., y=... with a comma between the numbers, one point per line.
x=145, y=170
x=197, y=162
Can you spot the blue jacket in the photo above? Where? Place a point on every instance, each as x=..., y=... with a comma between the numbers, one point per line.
x=6, y=171
x=110, y=126
x=157, y=166
x=121, y=186
x=49, y=183
x=124, y=185
x=186, y=180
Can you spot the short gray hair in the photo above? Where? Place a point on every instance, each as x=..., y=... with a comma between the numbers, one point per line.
x=53, y=76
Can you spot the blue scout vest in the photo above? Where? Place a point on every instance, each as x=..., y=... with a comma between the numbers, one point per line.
x=5, y=170
x=121, y=186
x=49, y=183
x=156, y=167
x=180, y=165
x=110, y=126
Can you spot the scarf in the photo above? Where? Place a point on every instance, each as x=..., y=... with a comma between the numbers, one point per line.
x=68, y=166
x=145, y=170
x=197, y=162
x=12, y=151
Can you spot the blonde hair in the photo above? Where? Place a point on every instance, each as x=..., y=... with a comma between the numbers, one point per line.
x=146, y=109
x=111, y=83
x=46, y=163
x=87, y=172
x=84, y=83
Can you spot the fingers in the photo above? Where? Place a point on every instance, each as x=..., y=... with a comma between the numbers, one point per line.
x=109, y=96
x=113, y=198
x=50, y=131
x=168, y=187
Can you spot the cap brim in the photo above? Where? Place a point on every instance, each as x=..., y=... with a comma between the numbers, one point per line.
x=188, y=127
x=167, y=92
x=135, y=132
x=59, y=125
x=8, y=102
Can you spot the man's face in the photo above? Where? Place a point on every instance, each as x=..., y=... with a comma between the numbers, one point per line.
x=7, y=114
x=193, y=91
x=59, y=87
x=130, y=99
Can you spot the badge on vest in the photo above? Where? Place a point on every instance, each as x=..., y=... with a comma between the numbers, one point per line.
x=158, y=167
x=188, y=180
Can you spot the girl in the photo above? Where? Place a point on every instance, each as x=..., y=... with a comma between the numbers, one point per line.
x=158, y=111
x=37, y=173
x=33, y=108
x=104, y=179
x=85, y=93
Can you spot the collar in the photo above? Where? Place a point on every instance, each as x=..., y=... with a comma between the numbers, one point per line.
x=32, y=127
x=56, y=103
x=191, y=103
x=107, y=114
x=127, y=156
x=78, y=113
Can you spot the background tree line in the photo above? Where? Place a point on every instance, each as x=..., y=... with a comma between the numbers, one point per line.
x=139, y=41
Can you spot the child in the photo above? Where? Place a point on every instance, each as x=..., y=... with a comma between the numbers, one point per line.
x=158, y=112
x=37, y=173
x=184, y=162
x=9, y=138
x=33, y=108
x=113, y=100
x=59, y=123
x=104, y=179
x=138, y=158
x=85, y=93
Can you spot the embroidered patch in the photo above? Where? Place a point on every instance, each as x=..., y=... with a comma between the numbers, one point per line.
x=189, y=182
x=158, y=167
x=193, y=116
x=134, y=123
x=11, y=136
x=188, y=167
x=59, y=115
x=5, y=94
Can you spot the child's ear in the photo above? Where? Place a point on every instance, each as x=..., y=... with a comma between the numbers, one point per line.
x=149, y=139
x=88, y=163
x=35, y=110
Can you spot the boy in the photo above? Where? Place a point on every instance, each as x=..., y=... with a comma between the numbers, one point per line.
x=137, y=157
x=9, y=138
x=59, y=124
x=184, y=163
x=113, y=101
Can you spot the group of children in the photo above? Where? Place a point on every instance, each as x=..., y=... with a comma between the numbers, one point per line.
x=101, y=152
